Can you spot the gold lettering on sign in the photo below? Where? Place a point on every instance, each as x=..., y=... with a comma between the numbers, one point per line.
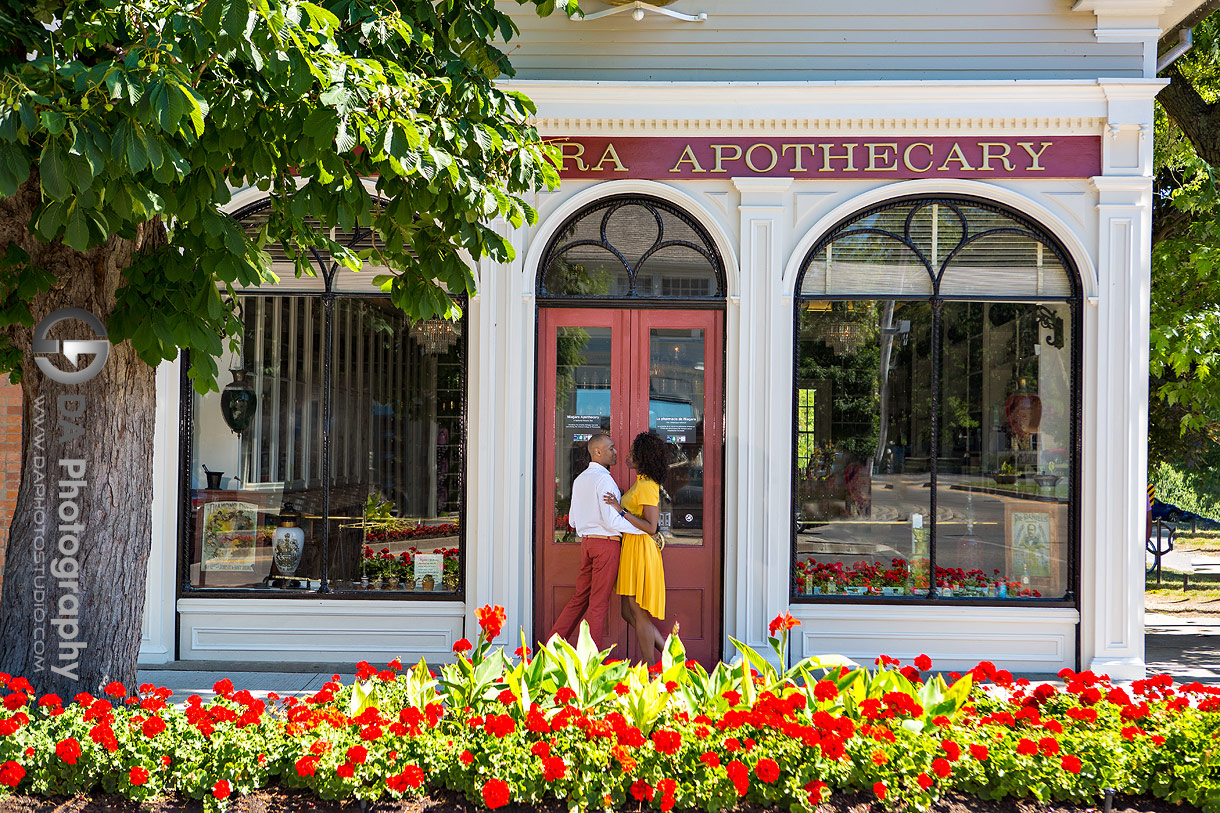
x=906, y=156
x=612, y=156
x=799, y=166
x=688, y=157
x=1028, y=146
x=988, y=156
x=720, y=159
x=955, y=156
x=573, y=150
x=849, y=156
x=880, y=152
x=750, y=158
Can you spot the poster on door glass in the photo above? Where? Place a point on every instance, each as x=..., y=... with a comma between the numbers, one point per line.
x=583, y=427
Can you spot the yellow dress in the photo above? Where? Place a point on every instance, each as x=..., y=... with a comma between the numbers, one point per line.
x=640, y=572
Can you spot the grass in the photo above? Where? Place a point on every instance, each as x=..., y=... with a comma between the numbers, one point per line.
x=1201, y=596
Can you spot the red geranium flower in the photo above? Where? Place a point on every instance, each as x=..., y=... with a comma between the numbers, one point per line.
x=979, y=752
x=666, y=742
x=880, y=758
x=825, y=690
x=466, y=757
x=11, y=774
x=68, y=750
x=739, y=775
x=879, y=790
x=641, y=791
x=357, y=753
x=940, y=767
x=138, y=775
x=1027, y=747
x=153, y=726
x=767, y=770
x=307, y=765
x=462, y=645
x=1070, y=763
x=923, y=663
x=924, y=781
x=222, y=789
x=553, y=769
x=710, y=760
x=413, y=775
x=115, y=689
x=496, y=793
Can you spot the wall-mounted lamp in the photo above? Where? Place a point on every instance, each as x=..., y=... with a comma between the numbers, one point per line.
x=638, y=8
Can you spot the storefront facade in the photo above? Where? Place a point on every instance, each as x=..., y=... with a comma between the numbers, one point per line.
x=893, y=329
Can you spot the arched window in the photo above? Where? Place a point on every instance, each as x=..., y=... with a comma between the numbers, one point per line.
x=337, y=407
x=937, y=405
x=631, y=247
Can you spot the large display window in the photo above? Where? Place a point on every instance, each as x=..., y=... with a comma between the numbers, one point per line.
x=332, y=460
x=936, y=409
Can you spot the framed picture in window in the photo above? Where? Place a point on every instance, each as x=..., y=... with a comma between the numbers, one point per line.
x=1035, y=550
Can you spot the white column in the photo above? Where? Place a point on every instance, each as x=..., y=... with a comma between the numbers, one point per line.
x=157, y=630
x=1116, y=433
x=758, y=395
x=499, y=450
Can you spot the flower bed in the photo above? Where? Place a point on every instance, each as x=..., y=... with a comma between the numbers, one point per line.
x=567, y=725
x=901, y=578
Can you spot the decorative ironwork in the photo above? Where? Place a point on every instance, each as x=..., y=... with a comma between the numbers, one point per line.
x=1049, y=320
x=613, y=243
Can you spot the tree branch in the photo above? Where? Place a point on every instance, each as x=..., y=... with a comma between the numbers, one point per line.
x=1198, y=120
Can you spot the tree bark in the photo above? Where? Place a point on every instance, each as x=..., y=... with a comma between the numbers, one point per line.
x=106, y=426
x=1198, y=119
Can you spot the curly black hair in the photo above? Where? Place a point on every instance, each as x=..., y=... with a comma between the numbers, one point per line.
x=650, y=455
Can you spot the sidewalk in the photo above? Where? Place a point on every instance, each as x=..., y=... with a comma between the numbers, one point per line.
x=1186, y=649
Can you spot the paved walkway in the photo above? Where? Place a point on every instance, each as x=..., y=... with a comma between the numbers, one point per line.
x=1184, y=648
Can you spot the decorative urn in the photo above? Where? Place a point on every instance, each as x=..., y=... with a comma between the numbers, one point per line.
x=238, y=402
x=1023, y=410
x=288, y=541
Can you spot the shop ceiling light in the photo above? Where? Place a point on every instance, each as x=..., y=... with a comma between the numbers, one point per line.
x=436, y=336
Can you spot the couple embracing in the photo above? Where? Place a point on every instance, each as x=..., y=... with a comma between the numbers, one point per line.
x=617, y=551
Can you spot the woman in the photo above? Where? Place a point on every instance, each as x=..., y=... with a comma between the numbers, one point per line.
x=641, y=576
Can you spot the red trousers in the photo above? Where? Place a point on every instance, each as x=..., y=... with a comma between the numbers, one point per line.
x=594, y=587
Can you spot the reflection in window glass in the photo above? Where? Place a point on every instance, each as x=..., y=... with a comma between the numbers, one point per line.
x=864, y=443
x=396, y=451
x=982, y=488
x=583, y=397
x=1003, y=480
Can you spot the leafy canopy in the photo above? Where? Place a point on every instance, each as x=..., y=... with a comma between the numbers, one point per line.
x=131, y=113
x=1184, y=425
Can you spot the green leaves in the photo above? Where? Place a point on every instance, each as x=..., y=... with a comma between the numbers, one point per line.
x=304, y=100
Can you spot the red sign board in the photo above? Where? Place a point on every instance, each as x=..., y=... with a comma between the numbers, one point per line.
x=840, y=157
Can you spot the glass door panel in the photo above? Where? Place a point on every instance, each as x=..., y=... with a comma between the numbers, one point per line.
x=583, y=395
x=675, y=414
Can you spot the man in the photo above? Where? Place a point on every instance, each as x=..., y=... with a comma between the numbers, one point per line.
x=600, y=528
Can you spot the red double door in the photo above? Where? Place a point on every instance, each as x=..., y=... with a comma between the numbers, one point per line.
x=624, y=372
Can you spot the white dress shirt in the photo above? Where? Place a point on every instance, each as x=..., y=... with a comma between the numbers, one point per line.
x=589, y=514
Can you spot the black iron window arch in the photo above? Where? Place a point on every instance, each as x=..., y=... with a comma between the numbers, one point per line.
x=936, y=263
x=619, y=231
x=327, y=270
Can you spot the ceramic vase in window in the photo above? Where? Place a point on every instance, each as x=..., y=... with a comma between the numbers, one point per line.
x=1023, y=409
x=238, y=402
x=288, y=541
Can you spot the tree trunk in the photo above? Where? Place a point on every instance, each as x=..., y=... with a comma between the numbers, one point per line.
x=1198, y=119
x=74, y=579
